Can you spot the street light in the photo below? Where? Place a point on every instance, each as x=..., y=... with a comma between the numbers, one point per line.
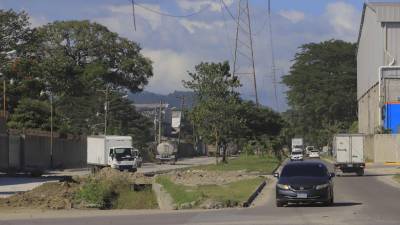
x=9, y=55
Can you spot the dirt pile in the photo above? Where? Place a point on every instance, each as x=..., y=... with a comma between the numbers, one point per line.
x=52, y=195
x=67, y=194
x=204, y=177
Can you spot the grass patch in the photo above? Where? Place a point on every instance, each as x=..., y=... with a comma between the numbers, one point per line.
x=179, y=193
x=397, y=177
x=229, y=194
x=128, y=199
x=251, y=163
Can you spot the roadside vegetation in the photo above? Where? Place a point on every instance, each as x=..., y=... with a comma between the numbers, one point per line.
x=218, y=185
x=249, y=163
x=232, y=194
x=397, y=177
x=109, y=189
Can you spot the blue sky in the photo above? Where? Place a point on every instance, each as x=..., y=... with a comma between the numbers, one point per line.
x=177, y=44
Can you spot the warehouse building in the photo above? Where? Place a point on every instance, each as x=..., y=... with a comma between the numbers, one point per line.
x=378, y=69
x=378, y=81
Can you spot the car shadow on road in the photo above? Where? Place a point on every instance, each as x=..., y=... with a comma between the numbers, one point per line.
x=336, y=204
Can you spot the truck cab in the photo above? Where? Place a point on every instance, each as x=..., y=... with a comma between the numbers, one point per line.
x=122, y=158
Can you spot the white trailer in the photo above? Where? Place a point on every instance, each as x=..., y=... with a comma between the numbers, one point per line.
x=297, y=145
x=348, y=150
x=111, y=151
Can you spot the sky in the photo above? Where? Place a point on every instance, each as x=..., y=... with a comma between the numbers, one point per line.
x=177, y=44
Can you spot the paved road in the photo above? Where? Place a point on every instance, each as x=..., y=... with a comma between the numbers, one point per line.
x=359, y=200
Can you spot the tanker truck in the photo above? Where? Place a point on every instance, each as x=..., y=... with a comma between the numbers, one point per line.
x=166, y=152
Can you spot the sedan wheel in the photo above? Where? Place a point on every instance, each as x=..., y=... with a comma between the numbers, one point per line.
x=279, y=204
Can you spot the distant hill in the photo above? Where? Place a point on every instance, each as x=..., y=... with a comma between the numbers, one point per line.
x=172, y=99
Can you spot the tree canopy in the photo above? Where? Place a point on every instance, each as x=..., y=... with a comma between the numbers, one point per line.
x=220, y=115
x=74, y=63
x=322, y=86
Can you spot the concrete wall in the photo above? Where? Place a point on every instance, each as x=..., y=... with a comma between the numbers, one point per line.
x=382, y=147
x=3, y=151
x=368, y=114
x=26, y=152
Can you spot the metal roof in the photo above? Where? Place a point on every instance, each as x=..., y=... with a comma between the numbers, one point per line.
x=385, y=12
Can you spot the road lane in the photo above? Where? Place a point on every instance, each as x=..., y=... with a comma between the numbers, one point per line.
x=358, y=200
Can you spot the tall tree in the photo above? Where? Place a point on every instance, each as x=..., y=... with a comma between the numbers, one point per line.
x=215, y=112
x=77, y=62
x=322, y=90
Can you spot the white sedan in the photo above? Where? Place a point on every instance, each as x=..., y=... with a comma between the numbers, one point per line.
x=296, y=156
x=314, y=154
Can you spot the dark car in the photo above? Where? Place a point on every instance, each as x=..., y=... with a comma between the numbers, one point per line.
x=304, y=182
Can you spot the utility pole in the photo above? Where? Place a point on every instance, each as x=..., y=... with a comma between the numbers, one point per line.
x=244, y=53
x=182, y=98
x=105, y=111
x=4, y=98
x=159, y=122
x=155, y=125
x=51, y=129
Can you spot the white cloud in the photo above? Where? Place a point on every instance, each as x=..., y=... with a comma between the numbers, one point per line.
x=126, y=10
x=344, y=19
x=293, y=15
x=192, y=25
x=170, y=68
x=197, y=5
x=37, y=21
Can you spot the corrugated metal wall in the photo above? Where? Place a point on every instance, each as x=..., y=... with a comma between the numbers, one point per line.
x=370, y=53
x=392, y=31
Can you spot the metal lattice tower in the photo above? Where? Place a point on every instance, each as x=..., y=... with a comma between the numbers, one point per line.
x=243, y=64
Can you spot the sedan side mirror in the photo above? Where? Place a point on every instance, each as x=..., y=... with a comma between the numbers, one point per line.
x=276, y=175
x=332, y=175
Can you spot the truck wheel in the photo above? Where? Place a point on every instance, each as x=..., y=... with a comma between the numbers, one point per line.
x=360, y=172
x=36, y=173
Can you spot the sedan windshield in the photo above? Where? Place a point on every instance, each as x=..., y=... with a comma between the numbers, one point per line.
x=304, y=170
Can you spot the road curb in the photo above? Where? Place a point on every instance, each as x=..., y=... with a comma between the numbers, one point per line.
x=255, y=194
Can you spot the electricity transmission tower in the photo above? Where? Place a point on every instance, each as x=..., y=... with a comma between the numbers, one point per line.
x=243, y=64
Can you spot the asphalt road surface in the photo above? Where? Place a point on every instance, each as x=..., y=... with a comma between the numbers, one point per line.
x=358, y=200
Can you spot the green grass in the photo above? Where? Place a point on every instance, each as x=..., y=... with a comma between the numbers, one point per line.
x=128, y=199
x=108, y=194
x=397, y=177
x=251, y=163
x=235, y=192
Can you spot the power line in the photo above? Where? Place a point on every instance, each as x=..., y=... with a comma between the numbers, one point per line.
x=227, y=9
x=172, y=15
x=272, y=55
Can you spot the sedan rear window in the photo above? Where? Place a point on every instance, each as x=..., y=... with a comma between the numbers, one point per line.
x=304, y=170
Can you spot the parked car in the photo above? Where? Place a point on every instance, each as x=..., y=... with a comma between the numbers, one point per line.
x=296, y=156
x=304, y=182
x=309, y=149
x=313, y=154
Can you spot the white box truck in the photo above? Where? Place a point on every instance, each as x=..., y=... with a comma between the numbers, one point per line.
x=297, y=145
x=348, y=151
x=111, y=151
